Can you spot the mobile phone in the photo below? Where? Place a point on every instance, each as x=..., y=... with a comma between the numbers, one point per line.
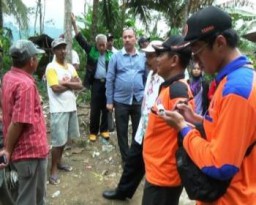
x=161, y=110
x=3, y=159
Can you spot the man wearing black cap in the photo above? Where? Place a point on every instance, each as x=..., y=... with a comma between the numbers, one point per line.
x=163, y=184
x=225, y=153
x=143, y=42
x=24, y=130
x=110, y=43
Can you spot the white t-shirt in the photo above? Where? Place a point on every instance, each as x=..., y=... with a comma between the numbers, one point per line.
x=150, y=94
x=65, y=101
x=75, y=57
x=114, y=50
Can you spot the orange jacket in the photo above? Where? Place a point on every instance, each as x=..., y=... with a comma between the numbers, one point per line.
x=230, y=130
x=160, y=142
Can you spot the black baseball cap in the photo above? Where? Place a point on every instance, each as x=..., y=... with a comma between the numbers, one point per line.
x=206, y=22
x=143, y=39
x=173, y=43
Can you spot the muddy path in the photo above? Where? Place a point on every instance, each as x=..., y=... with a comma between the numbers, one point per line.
x=96, y=167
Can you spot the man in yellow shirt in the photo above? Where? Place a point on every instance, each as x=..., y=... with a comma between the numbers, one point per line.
x=62, y=80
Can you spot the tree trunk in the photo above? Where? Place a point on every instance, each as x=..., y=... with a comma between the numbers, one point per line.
x=1, y=16
x=94, y=19
x=123, y=7
x=68, y=28
x=36, y=15
x=186, y=14
x=40, y=17
x=39, y=11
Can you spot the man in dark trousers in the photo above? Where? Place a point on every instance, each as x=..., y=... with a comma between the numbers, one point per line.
x=95, y=78
x=125, y=83
x=134, y=168
x=26, y=146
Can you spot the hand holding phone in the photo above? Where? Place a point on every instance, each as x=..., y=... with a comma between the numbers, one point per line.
x=161, y=109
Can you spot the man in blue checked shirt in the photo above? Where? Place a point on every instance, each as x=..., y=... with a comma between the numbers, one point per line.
x=125, y=82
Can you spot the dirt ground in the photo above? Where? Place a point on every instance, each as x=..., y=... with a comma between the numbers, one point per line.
x=96, y=167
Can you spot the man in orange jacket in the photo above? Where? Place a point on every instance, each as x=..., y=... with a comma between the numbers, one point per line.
x=229, y=122
x=163, y=184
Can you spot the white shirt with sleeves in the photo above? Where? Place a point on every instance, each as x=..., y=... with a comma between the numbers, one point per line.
x=150, y=94
x=65, y=101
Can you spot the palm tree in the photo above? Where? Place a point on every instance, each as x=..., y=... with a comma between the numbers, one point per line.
x=1, y=15
x=16, y=8
x=174, y=11
x=116, y=13
x=40, y=10
x=94, y=19
x=111, y=10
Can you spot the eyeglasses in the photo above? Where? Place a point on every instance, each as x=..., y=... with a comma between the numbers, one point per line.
x=200, y=50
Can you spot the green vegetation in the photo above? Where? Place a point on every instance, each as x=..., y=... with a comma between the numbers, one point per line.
x=119, y=14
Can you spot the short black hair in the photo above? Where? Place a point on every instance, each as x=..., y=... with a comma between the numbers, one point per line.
x=185, y=57
x=19, y=63
x=230, y=35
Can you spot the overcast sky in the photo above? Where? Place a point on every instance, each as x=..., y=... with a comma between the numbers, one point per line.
x=54, y=10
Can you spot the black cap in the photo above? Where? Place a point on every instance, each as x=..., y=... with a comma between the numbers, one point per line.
x=110, y=36
x=143, y=39
x=208, y=21
x=171, y=44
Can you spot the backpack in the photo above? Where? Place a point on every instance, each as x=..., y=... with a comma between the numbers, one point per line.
x=198, y=185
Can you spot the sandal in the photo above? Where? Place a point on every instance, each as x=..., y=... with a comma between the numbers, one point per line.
x=54, y=180
x=64, y=167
